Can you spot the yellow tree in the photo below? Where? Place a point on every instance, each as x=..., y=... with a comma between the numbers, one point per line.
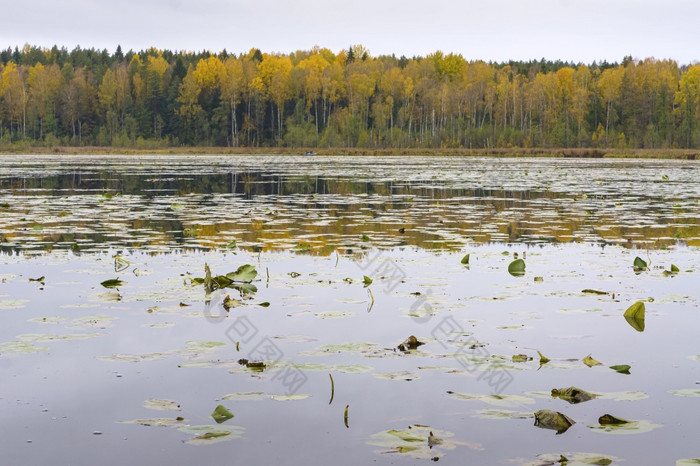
x=274, y=73
x=13, y=91
x=609, y=85
x=233, y=85
x=44, y=84
x=688, y=102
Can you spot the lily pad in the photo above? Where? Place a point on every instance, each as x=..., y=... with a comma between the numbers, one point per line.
x=626, y=427
x=517, y=268
x=575, y=459
x=621, y=368
x=207, y=435
x=112, y=283
x=366, y=281
x=20, y=347
x=590, y=291
x=639, y=264
x=634, y=315
x=465, y=260
x=161, y=404
x=548, y=419
x=495, y=400
x=572, y=395
x=244, y=273
x=245, y=396
x=157, y=422
x=418, y=441
x=502, y=414
x=688, y=462
x=399, y=375
x=689, y=392
x=543, y=359
x=221, y=414
x=606, y=419
x=289, y=397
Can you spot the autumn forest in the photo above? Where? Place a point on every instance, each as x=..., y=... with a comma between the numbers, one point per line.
x=321, y=99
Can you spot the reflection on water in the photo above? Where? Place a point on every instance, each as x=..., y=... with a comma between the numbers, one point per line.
x=157, y=205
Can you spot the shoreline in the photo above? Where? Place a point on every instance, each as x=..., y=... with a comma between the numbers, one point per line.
x=675, y=154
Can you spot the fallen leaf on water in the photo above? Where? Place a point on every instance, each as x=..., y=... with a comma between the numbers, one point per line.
x=590, y=362
x=572, y=394
x=548, y=419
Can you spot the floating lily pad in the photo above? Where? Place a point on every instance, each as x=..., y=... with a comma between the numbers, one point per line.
x=495, y=400
x=576, y=459
x=366, y=281
x=689, y=392
x=161, y=404
x=344, y=368
x=334, y=314
x=465, y=260
x=399, y=375
x=20, y=347
x=591, y=291
x=112, y=283
x=639, y=264
x=548, y=419
x=543, y=359
x=606, y=419
x=43, y=337
x=289, y=397
x=417, y=441
x=157, y=422
x=621, y=368
x=502, y=414
x=221, y=414
x=572, y=395
x=634, y=315
x=627, y=427
x=688, y=462
x=13, y=303
x=245, y=396
x=48, y=320
x=244, y=273
x=208, y=435
x=517, y=268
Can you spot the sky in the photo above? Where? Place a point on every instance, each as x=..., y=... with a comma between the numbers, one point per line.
x=579, y=31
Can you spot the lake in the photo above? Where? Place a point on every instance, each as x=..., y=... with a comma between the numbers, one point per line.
x=349, y=310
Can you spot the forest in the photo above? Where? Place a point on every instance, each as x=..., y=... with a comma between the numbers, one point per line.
x=320, y=99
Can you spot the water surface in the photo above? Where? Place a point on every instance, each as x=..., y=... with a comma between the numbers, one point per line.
x=78, y=359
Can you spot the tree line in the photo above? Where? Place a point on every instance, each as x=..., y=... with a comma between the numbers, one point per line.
x=317, y=98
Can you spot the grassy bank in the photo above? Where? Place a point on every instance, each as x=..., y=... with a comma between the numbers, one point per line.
x=682, y=154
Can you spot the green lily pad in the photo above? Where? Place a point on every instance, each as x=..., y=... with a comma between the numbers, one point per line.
x=112, y=283
x=590, y=291
x=43, y=337
x=244, y=273
x=517, y=268
x=634, y=315
x=548, y=419
x=221, y=414
x=13, y=303
x=543, y=359
x=366, y=280
x=47, y=320
x=688, y=462
x=639, y=264
x=621, y=368
x=465, y=260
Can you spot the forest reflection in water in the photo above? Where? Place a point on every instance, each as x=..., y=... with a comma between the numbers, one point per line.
x=271, y=203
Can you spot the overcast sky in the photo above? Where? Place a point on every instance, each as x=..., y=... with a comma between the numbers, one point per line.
x=497, y=30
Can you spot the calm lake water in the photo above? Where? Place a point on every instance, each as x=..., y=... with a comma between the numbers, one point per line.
x=116, y=348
